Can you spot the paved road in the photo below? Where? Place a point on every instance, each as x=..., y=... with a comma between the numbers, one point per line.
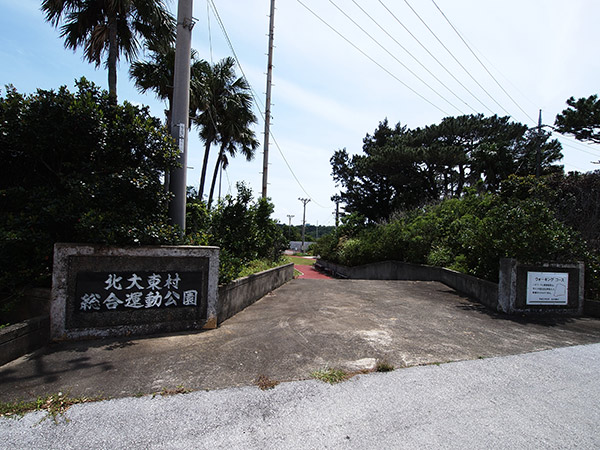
x=301, y=327
x=310, y=273
x=547, y=399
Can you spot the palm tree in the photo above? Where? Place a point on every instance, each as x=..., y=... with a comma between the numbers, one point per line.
x=157, y=75
x=108, y=28
x=226, y=114
x=235, y=134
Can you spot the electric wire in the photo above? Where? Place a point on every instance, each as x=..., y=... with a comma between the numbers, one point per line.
x=435, y=58
x=370, y=58
x=480, y=62
x=456, y=59
x=575, y=141
x=412, y=56
x=394, y=57
x=578, y=149
x=257, y=103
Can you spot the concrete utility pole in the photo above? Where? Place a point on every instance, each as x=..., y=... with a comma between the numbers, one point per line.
x=268, y=102
x=290, y=217
x=181, y=109
x=538, y=153
x=304, y=201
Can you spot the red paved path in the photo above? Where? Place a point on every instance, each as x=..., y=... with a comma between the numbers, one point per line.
x=310, y=272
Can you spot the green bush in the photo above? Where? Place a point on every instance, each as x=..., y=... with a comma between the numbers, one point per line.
x=243, y=228
x=471, y=235
x=77, y=168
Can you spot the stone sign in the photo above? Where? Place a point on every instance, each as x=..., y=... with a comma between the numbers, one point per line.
x=550, y=288
x=111, y=291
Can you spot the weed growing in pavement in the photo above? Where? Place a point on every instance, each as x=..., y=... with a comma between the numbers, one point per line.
x=330, y=376
x=384, y=366
x=265, y=383
x=179, y=389
x=55, y=404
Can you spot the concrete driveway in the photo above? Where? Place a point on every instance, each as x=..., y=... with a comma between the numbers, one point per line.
x=301, y=327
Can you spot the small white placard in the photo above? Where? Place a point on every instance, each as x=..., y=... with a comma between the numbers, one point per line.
x=547, y=288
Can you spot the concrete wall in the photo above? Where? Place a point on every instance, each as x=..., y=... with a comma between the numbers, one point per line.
x=483, y=291
x=24, y=337
x=84, y=305
x=241, y=293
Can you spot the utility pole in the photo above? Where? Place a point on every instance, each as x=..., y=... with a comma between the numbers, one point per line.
x=337, y=200
x=290, y=216
x=268, y=102
x=181, y=110
x=538, y=153
x=304, y=201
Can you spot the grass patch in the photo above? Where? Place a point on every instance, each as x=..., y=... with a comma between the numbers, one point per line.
x=260, y=265
x=331, y=376
x=301, y=261
x=265, y=383
x=54, y=404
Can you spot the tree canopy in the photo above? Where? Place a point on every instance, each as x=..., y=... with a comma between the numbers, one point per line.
x=76, y=167
x=581, y=119
x=400, y=169
x=225, y=115
x=108, y=28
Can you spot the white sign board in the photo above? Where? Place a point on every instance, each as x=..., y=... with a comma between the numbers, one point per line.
x=547, y=288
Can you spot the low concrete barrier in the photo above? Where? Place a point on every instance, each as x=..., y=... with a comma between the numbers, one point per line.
x=23, y=337
x=241, y=293
x=483, y=291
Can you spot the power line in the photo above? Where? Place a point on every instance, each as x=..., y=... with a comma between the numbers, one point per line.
x=292, y=172
x=412, y=56
x=393, y=56
x=578, y=149
x=371, y=59
x=435, y=58
x=456, y=59
x=480, y=62
x=256, y=100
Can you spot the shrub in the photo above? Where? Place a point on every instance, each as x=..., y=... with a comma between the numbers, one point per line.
x=77, y=168
x=243, y=228
x=471, y=234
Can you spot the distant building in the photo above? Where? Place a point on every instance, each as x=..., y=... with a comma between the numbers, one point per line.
x=297, y=246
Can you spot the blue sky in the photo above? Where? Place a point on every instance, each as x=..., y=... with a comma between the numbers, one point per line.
x=327, y=95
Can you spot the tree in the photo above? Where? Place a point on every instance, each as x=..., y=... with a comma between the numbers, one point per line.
x=225, y=112
x=235, y=132
x=581, y=119
x=76, y=167
x=401, y=169
x=157, y=75
x=108, y=28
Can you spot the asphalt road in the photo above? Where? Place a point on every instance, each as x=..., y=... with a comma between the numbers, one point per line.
x=547, y=399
